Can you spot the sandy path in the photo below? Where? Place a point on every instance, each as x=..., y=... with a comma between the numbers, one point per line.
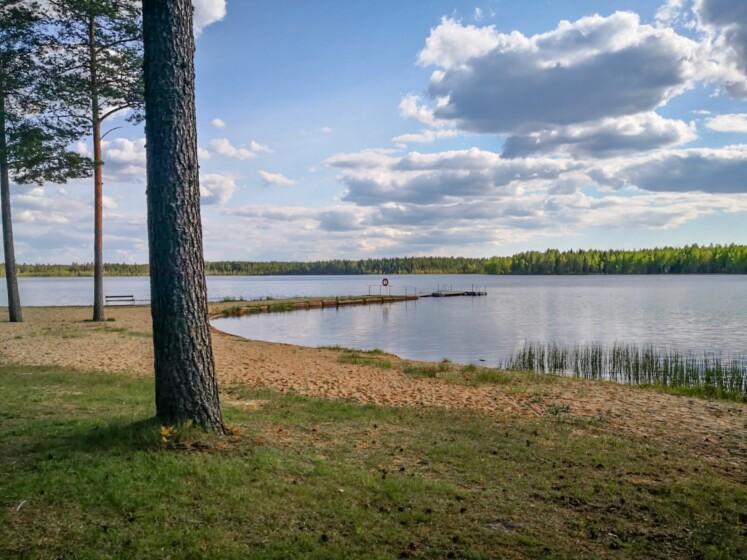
x=61, y=336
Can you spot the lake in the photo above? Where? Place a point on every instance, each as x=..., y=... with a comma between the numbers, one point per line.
x=684, y=313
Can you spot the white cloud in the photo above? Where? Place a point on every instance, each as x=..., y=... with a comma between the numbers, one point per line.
x=427, y=201
x=725, y=46
x=371, y=158
x=709, y=170
x=728, y=123
x=670, y=13
x=123, y=150
x=124, y=159
x=258, y=148
x=425, y=136
x=411, y=108
x=326, y=130
x=373, y=178
x=216, y=188
x=604, y=138
x=218, y=123
x=109, y=203
x=452, y=44
x=594, y=68
x=277, y=179
x=224, y=147
x=207, y=12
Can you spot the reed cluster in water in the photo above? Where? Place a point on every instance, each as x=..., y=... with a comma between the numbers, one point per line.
x=635, y=365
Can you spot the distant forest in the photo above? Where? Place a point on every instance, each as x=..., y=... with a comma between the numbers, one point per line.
x=692, y=259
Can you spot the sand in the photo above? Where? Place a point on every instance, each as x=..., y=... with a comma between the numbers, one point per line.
x=61, y=336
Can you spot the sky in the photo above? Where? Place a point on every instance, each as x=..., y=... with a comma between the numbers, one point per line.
x=338, y=129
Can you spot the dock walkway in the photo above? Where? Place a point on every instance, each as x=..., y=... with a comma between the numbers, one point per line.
x=450, y=293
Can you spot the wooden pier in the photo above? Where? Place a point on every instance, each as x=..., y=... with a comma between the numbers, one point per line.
x=240, y=308
x=451, y=293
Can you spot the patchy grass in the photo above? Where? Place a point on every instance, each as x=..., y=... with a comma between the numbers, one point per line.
x=374, y=352
x=372, y=358
x=474, y=375
x=86, y=473
x=116, y=330
x=702, y=392
x=426, y=370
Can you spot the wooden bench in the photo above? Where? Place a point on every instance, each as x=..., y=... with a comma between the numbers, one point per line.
x=120, y=299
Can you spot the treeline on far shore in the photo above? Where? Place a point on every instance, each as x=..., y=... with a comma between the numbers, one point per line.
x=692, y=259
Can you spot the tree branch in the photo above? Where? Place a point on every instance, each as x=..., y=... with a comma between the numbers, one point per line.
x=115, y=110
x=110, y=130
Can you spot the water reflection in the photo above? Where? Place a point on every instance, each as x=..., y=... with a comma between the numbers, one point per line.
x=698, y=313
x=701, y=314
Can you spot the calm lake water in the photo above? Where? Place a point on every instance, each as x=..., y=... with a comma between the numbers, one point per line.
x=685, y=313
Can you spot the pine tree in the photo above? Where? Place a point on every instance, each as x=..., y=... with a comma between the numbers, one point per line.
x=98, y=60
x=33, y=149
x=186, y=387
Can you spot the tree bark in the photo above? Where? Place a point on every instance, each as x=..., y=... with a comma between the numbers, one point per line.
x=15, y=313
x=98, y=183
x=186, y=386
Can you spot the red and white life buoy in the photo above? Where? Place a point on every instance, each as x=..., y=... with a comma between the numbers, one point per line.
x=385, y=282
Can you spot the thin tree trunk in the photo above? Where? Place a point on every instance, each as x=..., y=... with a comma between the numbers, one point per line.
x=15, y=314
x=98, y=183
x=186, y=387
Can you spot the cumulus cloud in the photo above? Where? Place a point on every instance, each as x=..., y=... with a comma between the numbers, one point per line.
x=277, y=179
x=707, y=170
x=605, y=138
x=410, y=107
x=725, y=22
x=258, y=148
x=332, y=219
x=588, y=88
x=596, y=67
x=207, y=12
x=216, y=188
x=452, y=44
x=124, y=159
x=218, y=123
x=339, y=220
x=373, y=178
x=425, y=201
x=728, y=123
x=224, y=147
x=371, y=158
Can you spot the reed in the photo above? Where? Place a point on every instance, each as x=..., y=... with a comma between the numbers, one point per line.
x=636, y=365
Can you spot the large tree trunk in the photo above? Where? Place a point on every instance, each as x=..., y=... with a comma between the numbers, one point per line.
x=98, y=183
x=15, y=314
x=186, y=387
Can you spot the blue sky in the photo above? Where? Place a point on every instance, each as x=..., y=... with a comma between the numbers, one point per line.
x=363, y=129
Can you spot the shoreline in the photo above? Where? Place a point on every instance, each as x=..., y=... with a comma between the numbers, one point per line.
x=236, y=308
x=63, y=337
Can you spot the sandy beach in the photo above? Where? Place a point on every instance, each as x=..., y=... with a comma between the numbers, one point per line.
x=62, y=336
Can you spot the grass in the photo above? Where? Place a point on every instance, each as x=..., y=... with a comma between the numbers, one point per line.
x=671, y=371
x=85, y=473
x=426, y=370
x=375, y=358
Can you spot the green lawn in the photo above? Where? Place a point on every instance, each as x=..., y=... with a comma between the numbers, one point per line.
x=84, y=473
